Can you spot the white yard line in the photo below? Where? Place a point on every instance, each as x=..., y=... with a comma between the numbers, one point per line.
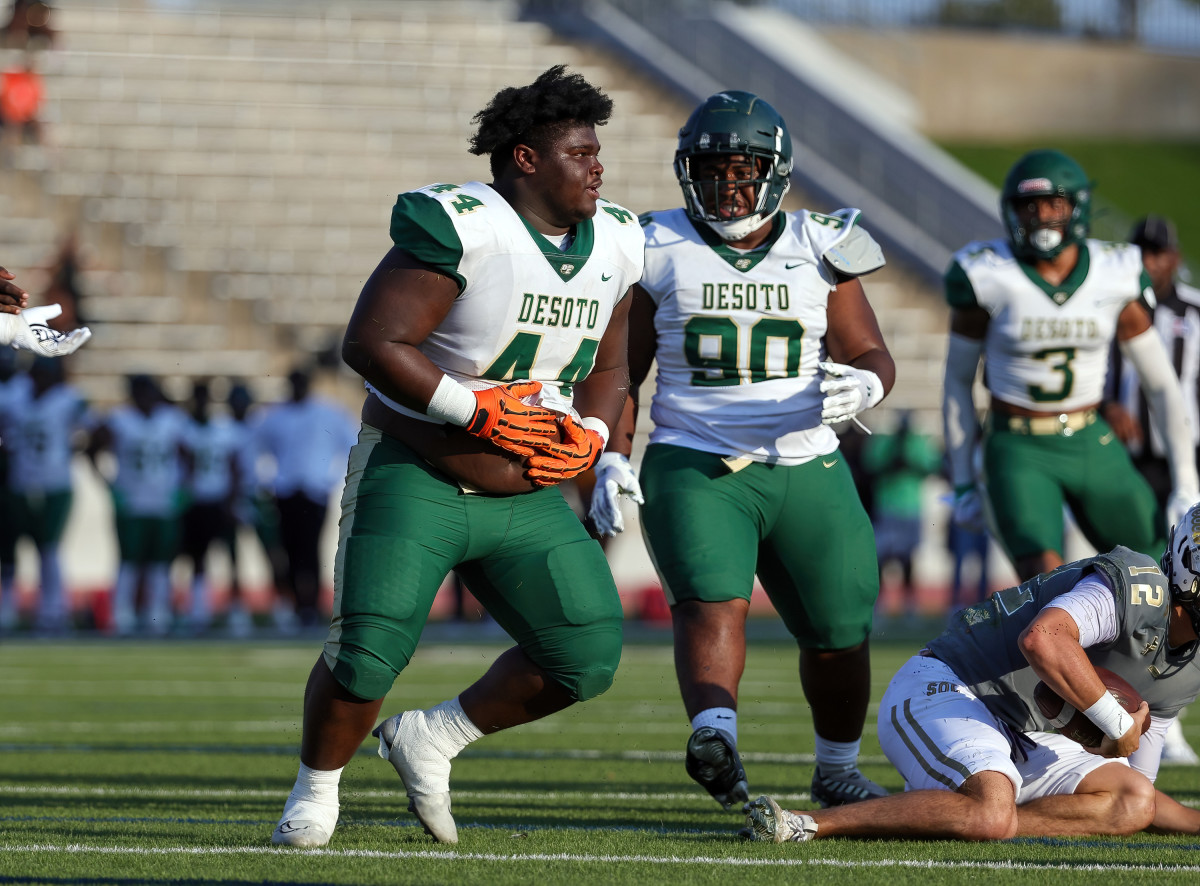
x=524, y=858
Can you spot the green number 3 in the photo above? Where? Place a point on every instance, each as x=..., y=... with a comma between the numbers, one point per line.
x=1042, y=395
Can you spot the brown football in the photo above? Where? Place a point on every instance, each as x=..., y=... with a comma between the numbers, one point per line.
x=1079, y=728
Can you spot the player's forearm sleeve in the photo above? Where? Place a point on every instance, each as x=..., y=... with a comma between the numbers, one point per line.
x=1168, y=413
x=958, y=406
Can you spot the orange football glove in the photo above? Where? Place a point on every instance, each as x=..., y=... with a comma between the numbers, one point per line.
x=555, y=462
x=502, y=418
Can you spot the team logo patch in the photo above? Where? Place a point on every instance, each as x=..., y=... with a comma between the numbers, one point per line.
x=742, y=263
x=566, y=269
x=1030, y=185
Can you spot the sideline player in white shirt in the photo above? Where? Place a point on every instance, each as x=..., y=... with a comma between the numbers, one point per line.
x=1042, y=308
x=147, y=437
x=764, y=338
x=492, y=338
x=214, y=444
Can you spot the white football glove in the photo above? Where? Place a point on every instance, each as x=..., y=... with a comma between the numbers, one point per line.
x=1178, y=504
x=27, y=331
x=968, y=510
x=850, y=390
x=614, y=479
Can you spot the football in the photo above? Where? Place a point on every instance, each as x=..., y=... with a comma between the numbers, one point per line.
x=1078, y=727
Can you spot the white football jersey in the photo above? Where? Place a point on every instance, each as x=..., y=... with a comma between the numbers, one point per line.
x=1047, y=346
x=740, y=335
x=40, y=457
x=212, y=445
x=149, y=470
x=526, y=309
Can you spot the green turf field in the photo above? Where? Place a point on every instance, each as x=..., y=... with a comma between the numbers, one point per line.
x=147, y=762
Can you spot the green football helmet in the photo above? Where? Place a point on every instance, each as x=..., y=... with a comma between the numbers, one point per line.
x=1045, y=173
x=736, y=123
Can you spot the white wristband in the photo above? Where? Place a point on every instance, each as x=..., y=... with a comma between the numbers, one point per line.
x=874, y=388
x=595, y=424
x=452, y=403
x=1107, y=713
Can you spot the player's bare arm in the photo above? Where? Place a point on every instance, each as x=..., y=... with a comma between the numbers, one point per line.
x=402, y=302
x=1133, y=321
x=969, y=322
x=643, y=342
x=1051, y=646
x=602, y=394
x=854, y=337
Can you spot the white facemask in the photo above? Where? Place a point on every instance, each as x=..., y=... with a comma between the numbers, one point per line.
x=1045, y=239
x=738, y=228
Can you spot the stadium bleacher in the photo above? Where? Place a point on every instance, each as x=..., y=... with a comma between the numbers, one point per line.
x=235, y=167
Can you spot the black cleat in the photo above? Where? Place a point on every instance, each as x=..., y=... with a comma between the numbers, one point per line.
x=714, y=764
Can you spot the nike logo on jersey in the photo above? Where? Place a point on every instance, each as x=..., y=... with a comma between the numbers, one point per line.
x=789, y=265
x=828, y=464
x=606, y=277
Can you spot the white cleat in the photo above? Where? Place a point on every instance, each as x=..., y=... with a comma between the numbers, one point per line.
x=301, y=833
x=405, y=742
x=305, y=824
x=767, y=822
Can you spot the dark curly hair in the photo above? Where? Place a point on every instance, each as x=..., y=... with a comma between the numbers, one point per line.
x=537, y=114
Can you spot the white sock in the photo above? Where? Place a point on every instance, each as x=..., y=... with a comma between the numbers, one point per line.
x=837, y=756
x=317, y=784
x=314, y=797
x=450, y=727
x=724, y=719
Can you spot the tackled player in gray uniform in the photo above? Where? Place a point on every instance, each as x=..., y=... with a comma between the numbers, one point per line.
x=979, y=759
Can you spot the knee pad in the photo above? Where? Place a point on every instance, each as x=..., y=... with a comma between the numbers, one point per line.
x=586, y=661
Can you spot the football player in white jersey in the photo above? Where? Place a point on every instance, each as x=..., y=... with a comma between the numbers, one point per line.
x=15, y=391
x=492, y=338
x=1042, y=307
x=147, y=438
x=214, y=481
x=26, y=328
x=43, y=436
x=764, y=338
